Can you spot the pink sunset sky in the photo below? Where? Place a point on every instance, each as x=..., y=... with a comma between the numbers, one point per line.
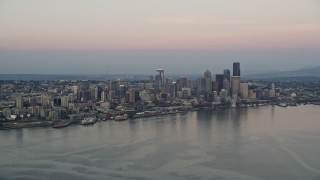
x=139, y=36
x=154, y=24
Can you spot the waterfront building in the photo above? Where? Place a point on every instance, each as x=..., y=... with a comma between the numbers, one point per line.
x=244, y=88
x=235, y=85
x=145, y=96
x=223, y=96
x=215, y=96
x=132, y=95
x=252, y=94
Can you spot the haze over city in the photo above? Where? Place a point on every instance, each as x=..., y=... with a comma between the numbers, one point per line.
x=160, y=89
x=90, y=37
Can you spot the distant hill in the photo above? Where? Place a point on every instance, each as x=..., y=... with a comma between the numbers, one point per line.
x=42, y=77
x=99, y=77
x=307, y=72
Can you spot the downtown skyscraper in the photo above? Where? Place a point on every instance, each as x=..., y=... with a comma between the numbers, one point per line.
x=236, y=69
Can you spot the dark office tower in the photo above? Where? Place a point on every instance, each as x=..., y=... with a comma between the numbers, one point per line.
x=219, y=79
x=226, y=74
x=184, y=82
x=236, y=69
x=215, y=86
x=181, y=83
x=173, y=90
x=201, y=87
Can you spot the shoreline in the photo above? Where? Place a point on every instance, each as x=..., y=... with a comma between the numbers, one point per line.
x=41, y=123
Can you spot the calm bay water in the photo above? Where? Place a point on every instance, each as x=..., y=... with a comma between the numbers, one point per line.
x=253, y=143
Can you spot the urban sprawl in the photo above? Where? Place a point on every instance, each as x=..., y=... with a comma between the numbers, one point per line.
x=62, y=103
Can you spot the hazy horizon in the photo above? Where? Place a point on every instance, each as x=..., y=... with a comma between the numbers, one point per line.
x=137, y=37
x=173, y=62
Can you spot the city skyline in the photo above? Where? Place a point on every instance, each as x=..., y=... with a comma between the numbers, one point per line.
x=159, y=89
x=62, y=37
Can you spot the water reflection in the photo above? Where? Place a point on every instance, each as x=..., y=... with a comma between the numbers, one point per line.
x=226, y=144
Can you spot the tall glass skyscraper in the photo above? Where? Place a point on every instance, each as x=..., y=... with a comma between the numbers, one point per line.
x=226, y=74
x=236, y=69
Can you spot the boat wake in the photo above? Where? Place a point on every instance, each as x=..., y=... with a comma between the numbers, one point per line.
x=295, y=156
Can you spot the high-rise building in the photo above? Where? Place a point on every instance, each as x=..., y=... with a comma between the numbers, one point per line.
x=71, y=97
x=202, y=87
x=122, y=91
x=45, y=100
x=183, y=82
x=219, y=79
x=272, y=91
x=226, y=74
x=160, y=78
x=223, y=96
x=252, y=94
x=65, y=101
x=173, y=90
x=19, y=102
x=207, y=76
x=186, y=92
x=75, y=89
x=103, y=96
x=32, y=101
x=132, y=95
x=94, y=92
x=215, y=86
x=244, y=90
x=235, y=85
x=226, y=85
x=111, y=95
x=236, y=69
x=215, y=96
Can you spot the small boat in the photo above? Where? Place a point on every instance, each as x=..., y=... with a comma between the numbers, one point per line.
x=89, y=121
x=62, y=124
x=139, y=115
x=121, y=117
x=150, y=113
x=283, y=104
